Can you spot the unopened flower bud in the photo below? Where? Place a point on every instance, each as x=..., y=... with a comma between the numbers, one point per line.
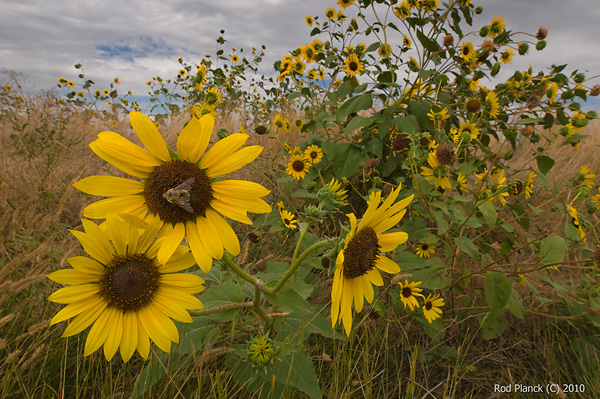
x=260, y=350
x=448, y=40
x=540, y=45
x=541, y=34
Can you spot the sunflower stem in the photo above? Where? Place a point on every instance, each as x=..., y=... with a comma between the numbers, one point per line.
x=236, y=269
x=302, y=234
x=259, y=310
x=205, y=312
x=295, y=265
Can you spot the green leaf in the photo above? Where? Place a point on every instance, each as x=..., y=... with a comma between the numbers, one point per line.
x=497, y=291
x=442, y=223
x=488, y=210
x=515, y=305
x=298, y=370
x=293, y=95
x=552, y=249
x=429, y=44
x=345, y=158
x=491, y=327
x=467, y=246
x=223, y=294
x=354, y=104
x=407, y=124
x=545, y=163
x=356, y=123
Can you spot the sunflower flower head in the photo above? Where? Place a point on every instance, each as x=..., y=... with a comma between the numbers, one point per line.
x=359, y=263
x=431, y=307
x=123, y=290
x=409, y=293
x=332, y=196
x=298, y=166
x=182, y=189
x=288, y=220
x=585, y=177
x=314, y=153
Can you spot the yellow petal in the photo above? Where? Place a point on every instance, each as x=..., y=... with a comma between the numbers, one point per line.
x=124, y=150
x=202, y=258
x=387, y=265
x=175, y=312
x=115, y=332
x=109, y=186
x=185, y=281
x=170, y=244
x=367, y=290
x=375, y=277
x=336, y=296
x=143, y=341
x=357, y=290
x=229, y=239
x=129, y=338
x=239, y=189
x=84, y=319
x=231, y=211
x=256, y=205
x=117, y=162
x=194, y=138
x=388, y=242
x=182, y=259
x=149, y=235
x=235, y=161
x=74, y=293
x=72, y=277
x=86, y=265
x=149, y=135
x=99, y=331
x=210, y=238
x=76, y=308
x=114, y=232
x=346, y=308
x=222, y=149
x=153, y=329
x=175, y=298
x=128, y=204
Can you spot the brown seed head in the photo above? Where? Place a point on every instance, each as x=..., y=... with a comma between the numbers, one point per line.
x=401, y=142
x=595, y=91
x=445, y=154
x=473, y=105
x=541, y=34
x=424, y=141
x=488, y=45
x=448, y=40
x=527, y=131
x=371, y=164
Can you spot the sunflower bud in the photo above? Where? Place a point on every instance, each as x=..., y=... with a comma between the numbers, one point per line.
x=534, y=138
x=478, y=10
x=523, y=48
x=579, y=77
x=325, y=262
x=583, y=192
x=473, y=105
x=595, y=91
x=488, y=45
x=260, y=350
x=484, y=31
x=253, y=237
x=541, y=34
x=448, y=40
x=527, y=131
x=540, y=45
x=261, y=129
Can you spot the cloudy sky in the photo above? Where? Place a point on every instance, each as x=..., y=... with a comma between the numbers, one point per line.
x=136, y=40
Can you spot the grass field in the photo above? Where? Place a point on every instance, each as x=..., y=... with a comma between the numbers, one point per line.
x=44, y=151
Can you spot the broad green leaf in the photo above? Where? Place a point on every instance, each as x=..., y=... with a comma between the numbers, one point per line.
x=223, y=294
x=354, y=104
x=491, y=327
x=497, y=291
x=488, y=210
x=429, y=44
x=515, y=305
x=552, y=249
x=407, y=124
x=356, y=123
x=442, y=223
x=545, y=163
x=467, y=246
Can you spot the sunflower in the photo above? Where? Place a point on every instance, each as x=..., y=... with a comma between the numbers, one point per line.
x=308, y=53
x=438, y=116
x=192, y=171
x=431, y=307
x=406, y=42
x=469, y=128
x=586, y=177
x=492, y=99
x=353, y=66
x=288, y=219
x=429, y=5
x=409, y=293
x=576, y=222
x=124, y=290
x=384, y=50
x=345, y=3
x=322, y=73
x=309, y=21
x=358, y=262
x=496, y=26
x=506, y=56
x=436, y=172
x=468, y=52
x=425, y=250
x=330, y=13
x=529, y=185
x=298, y=166
x=461, y=182
x=235, y=58
x=596, y=200
x=403, y=10
x=314, y=153
x=332, y=196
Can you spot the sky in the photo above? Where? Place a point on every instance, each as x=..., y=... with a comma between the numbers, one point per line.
x=136, y=40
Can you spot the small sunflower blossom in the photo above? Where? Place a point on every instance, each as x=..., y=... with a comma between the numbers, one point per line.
x=402, y=11
x=406, y=42
x=432, y=145
x=345, y=3
x=359, y=262
x=552, y=92
x=496, y=26
x=235, y=58
x=288, y=220
x=314, y=153
x=330, y=13
x=298, y=166
x=309, y=21
x=353, y=66
x=494, y=106
x=461, y=182
x=123, y=290
x=576, y=222
x=280, y=205
x=281, y=123
x=384, y=50
x=308, y=53
x=507, y=55
x=425, y=250
x=596, y=200
x=586, y=177
x=528, y=189
x=409, y=293
x=431, y=307
x=179, y=188
x=501, y=187
x=439, y=115
x=429, y=5
x=468, y=52
x=469, y=128
x=332, y=196
x=436, y=172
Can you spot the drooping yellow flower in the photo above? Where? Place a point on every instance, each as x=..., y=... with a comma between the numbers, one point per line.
x=431, y=307
x=353, y=66
x=359, y=262
x=314, y=153
x=298, y=166
x=596, y=200
x=436, y=172
x=492, y=100
x=586, y=177
x=469, y=128
x=384, y=50
x=507, y=55
x=124, y=290
x=576, y=222
x=529, y=185
x=409, y=293
x=496, y=26
x=461, y=181
x=182, y=189
x=345, y=3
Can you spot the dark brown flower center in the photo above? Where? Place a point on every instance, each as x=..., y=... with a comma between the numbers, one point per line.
x=406, y=292
x=424, y=247
x=428, y=305
x=353, y=66
x=313, y=155
x=170, y=176
x=298, y=165
x=130, y=282
x=361, y=254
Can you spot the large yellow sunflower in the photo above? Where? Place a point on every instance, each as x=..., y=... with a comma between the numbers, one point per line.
x=298, y=166
x=353, y=66
x=128, y=295
x=180, y=188
x=358, y=262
